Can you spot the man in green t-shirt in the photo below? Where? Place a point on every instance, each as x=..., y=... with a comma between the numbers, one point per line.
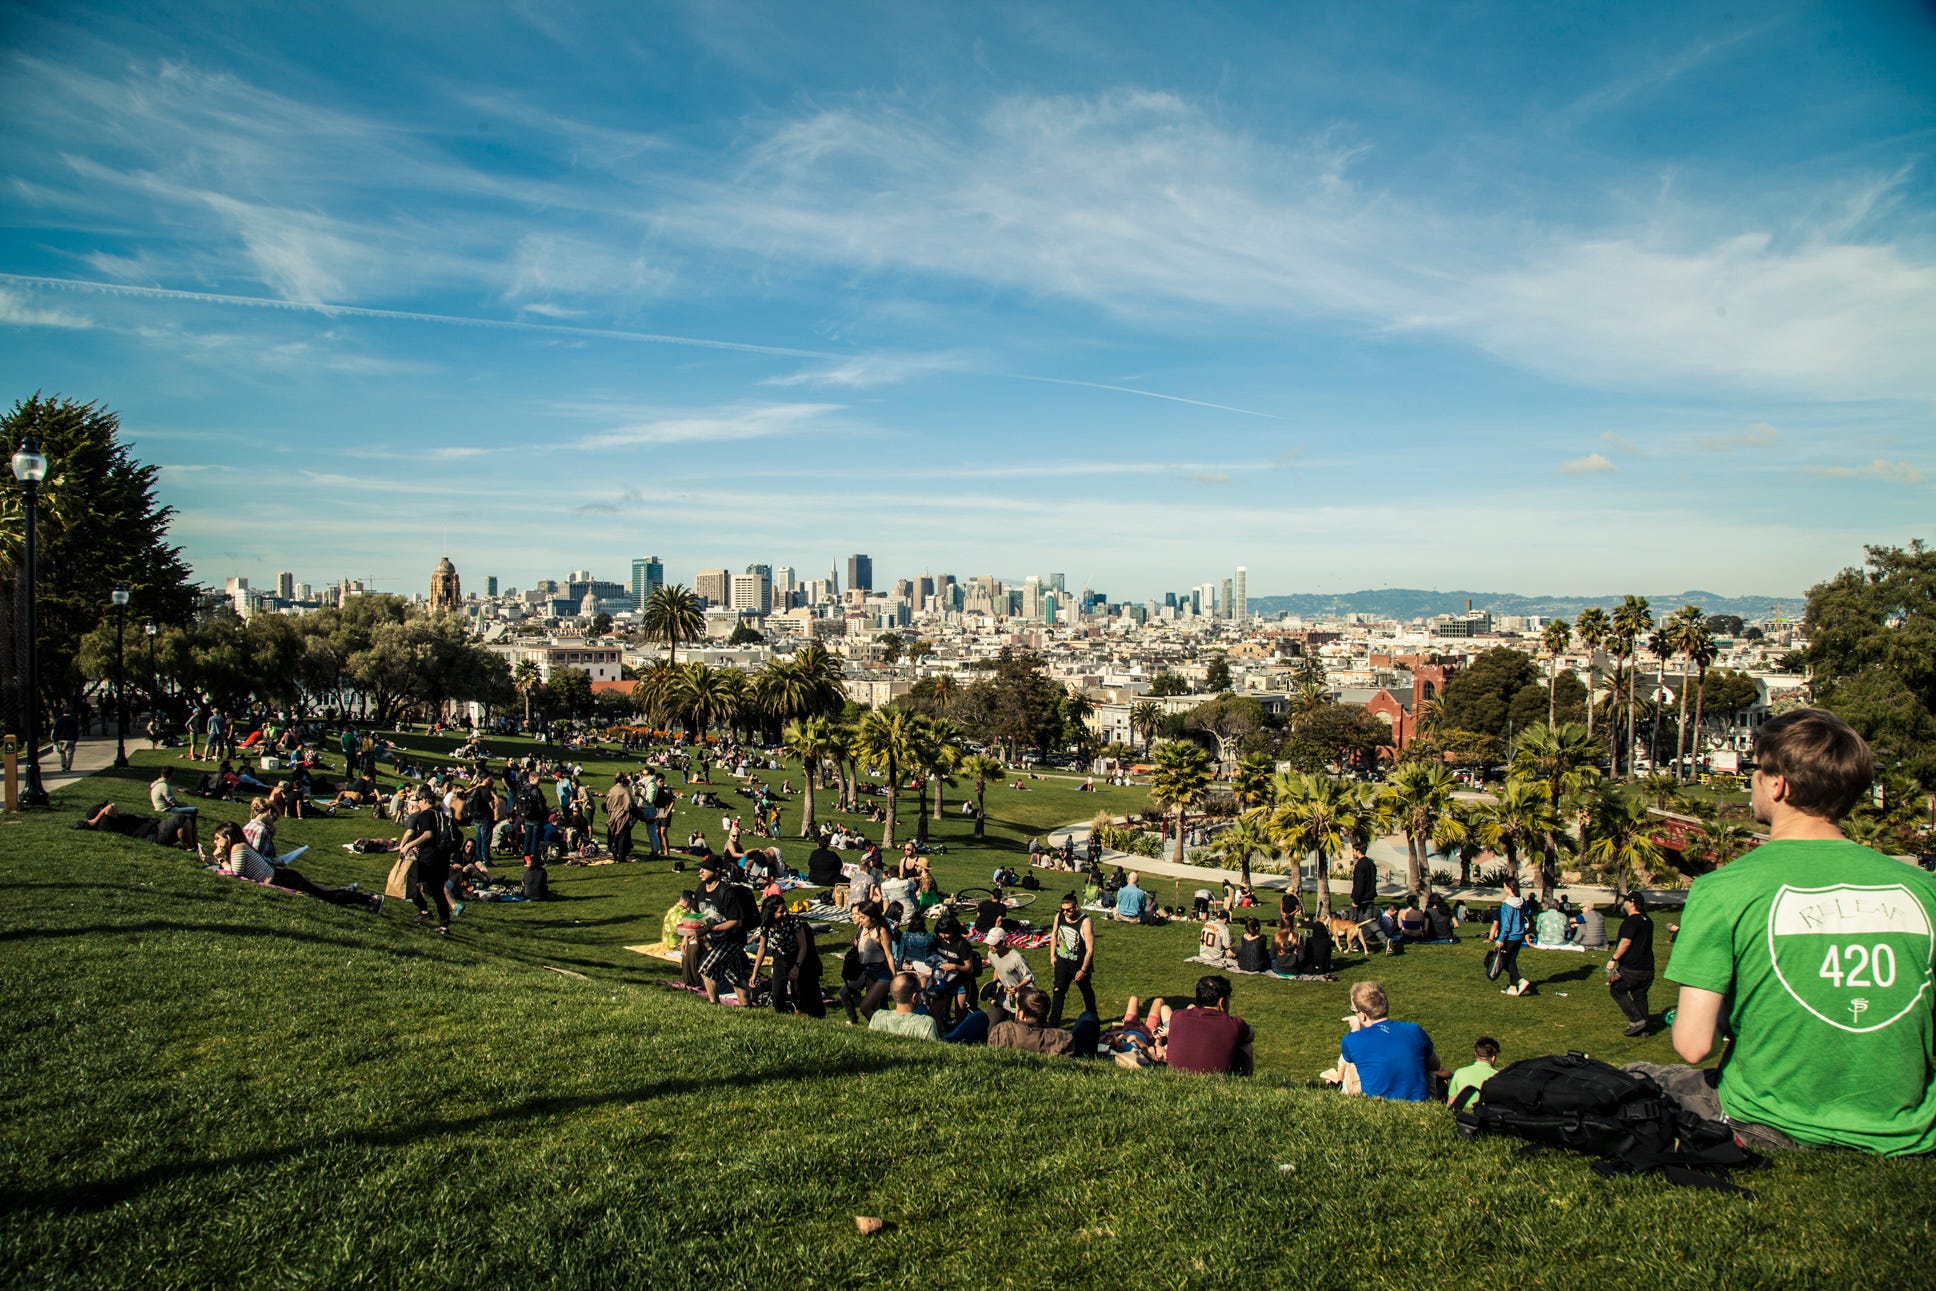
x=1815, y=955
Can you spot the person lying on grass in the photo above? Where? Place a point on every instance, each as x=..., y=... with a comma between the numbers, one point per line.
x=176, y=829
x=234, y=856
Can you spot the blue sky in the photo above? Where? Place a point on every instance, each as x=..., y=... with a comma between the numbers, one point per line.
x=1532, y=298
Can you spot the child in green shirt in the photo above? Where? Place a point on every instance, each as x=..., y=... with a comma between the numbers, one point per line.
x=1486, y=1050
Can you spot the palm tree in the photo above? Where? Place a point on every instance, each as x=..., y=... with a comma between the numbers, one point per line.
x=1561, y=762
x=780, y=694
x=1117, y=752
x=840, y=757
x=1630, y=623
x=1251, y=783
x=885, y=738
x=1591, y=627
x=1144, y=718
x=947, y=756
x=1250, y=837
x=705, y=697
x=1701, y=655
x=1077, y=709
x=1317, y=813
x=1615, y=833
x=527, y=679
x=1459, y=828
x=1311, y=696
x=980, y=768
x=820, y=673
x=1658, y=789
x=672, y=615
x=1181, y=782
x=811, y=740
x=1555, y=638
x=1720, y=841
x=1413, y=798
x=1517, y=820
x=653, y=692
x=1687, y=636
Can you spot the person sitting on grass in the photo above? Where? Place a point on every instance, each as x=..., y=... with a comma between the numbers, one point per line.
x=1213, y=941
x=1012, y=972
x=990, y=912
x=1253, y=951
x=902, y=1020
x=234, y=856
x=970, y=1022
x=1131, y=901
x=161, y=796
x=866, y=990
x=1383, y=1058
x=956, y=962
x=788, y=938
x=1029, y=1029
x=1205, y=1038
x=1483, y=1067
x=1413, y=925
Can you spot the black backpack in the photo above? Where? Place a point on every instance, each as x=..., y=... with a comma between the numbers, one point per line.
x=663, y=798
x=472, y=802
x=1629, y=1122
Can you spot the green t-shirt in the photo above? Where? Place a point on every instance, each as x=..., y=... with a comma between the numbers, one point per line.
x=1473, y=1074
x=918, y=1025
x=1825, y=954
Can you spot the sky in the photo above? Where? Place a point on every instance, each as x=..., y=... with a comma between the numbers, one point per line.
x=1550, y=299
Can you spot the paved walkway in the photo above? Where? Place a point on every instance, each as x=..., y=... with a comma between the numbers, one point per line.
x=90, y=755
x=1391, y=876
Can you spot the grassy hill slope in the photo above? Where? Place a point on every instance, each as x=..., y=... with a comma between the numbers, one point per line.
x=208, y=1082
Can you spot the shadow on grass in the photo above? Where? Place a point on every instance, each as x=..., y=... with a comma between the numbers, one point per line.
x=101, y=1194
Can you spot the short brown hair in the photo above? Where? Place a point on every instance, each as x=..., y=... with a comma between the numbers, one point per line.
x=1369, y=999
x=1032, y=1003
x=1827, y=765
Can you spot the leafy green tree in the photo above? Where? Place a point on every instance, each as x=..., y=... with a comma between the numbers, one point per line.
x=1518, y=820
x=1230, y=720
x=652, y=693
x=1216, y=678
x=744, y=634
x=1871, y=654
x=1479, y=697
x=890, y=644
x=97, y=525
x=1340, y=734
x=1180, y=783
x=601, y=624
x=571, y=691
x=673, y=617
x=1165, y=685
x=705, y=697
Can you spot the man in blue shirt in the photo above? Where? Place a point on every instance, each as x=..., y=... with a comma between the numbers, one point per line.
x=1390, y=1059
x=1130, y=902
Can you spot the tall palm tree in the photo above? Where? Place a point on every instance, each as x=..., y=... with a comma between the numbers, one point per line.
x=1247, y=839
x=1719, y=841
x=1181, y=782
x=1413, y=798
x=1554, y=639
x=821, y=674
x=1631, y=622
x=672, y=615
x=980, y=768
x=948, y=753
x=811, y=740
x=653, y=693
x=1311, y=696
x=1459, y=829
x=840, y=760
x=1561, y=762
x=1251, y=783
x=1616, y=837
x=706, y=697
x=1687, y=636
x=1518, y=820
x=780, y=694
x=1659, y=645
x=885, y=738
x=1701, y=654
x=1320, y=814
x=1592, y=628
x=527, y=679
x=1144, y=718
x=1077, y=709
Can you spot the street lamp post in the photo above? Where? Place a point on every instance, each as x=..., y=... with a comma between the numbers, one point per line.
x=120, y=680
x=154, y=679
x=30, y=468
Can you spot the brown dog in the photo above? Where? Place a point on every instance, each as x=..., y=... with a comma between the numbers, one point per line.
x=1345, y=931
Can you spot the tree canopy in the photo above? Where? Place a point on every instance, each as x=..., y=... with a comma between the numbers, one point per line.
x=1872, y=653
x=1480, y=697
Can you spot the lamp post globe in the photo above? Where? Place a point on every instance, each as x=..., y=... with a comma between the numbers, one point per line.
x=30, y=468
x=120, y=680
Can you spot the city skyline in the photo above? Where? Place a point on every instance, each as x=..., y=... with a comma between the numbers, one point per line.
x=1536, y=300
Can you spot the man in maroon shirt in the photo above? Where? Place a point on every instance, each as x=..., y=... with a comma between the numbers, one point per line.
x=1205, y=1038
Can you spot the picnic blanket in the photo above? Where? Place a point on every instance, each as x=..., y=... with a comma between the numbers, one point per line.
x=1534, y=945
x=1225, y=967
x=657, y=950
x=1019, y=940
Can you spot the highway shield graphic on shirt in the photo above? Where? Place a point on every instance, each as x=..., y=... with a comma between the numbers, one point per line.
x=1858, y=958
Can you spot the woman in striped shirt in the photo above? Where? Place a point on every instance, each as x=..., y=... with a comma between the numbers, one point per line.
x=234, y=856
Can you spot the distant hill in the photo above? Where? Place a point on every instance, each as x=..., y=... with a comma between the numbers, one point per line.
x=1407, y=603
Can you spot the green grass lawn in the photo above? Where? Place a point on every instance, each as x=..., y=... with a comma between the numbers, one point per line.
x=207, y=1082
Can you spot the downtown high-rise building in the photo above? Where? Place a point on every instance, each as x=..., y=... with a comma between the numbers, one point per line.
x=1241, y=597
x=648, y=576
x=285, y=585
x=714, y=586
x=1227, y=607
x=753, y=590
x=860, y=573
x=490, y=586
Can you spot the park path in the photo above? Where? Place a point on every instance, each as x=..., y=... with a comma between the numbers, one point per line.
x=90, y=755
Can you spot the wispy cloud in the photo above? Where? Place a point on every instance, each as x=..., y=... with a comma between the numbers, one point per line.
x=1620, y=444
x=1210, y=477
x=17, y=311
x=1591, y=464
x=865, y=370
x=750, y=421
x=1759, y=435
x=1880, y=469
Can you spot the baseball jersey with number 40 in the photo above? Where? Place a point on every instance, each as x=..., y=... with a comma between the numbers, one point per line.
x=1826, y=954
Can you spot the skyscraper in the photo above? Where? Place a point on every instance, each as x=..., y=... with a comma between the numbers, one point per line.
x=285, y=585
x=714, y=587
x=1227, y=607
x=1242, y=597
x=753, y=590
x=860, y=573
x=490, y=586
x=648, y=576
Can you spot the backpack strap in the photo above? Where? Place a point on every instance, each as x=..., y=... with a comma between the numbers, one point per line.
x=1466, y=1095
